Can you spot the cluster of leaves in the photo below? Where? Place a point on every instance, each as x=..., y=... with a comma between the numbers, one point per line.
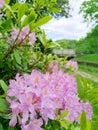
x=17, y=57
x=56, y=8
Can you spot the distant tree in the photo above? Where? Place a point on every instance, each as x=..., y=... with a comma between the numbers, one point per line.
x=89, y=44
x=90, y=10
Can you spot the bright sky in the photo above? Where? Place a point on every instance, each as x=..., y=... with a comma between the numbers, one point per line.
x=68, y=28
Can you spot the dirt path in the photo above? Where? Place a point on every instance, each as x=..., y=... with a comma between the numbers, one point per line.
x=89, y=76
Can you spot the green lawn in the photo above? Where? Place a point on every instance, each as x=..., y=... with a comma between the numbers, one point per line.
x=89, y=58
x=89, y=69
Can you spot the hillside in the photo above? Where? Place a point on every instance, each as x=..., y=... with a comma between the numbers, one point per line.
x=67, y=44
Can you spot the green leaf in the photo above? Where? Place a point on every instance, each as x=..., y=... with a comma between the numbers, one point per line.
x=53, y=1
x=7, y=1
x=3, y=85
x=57, y=112
x=63, y=123
x=22, y=10
x=3, y=106
x=64, y=114
x=83, y=122
x=1, y=127
x=5, y=116
x=76, y=128
x=30, y=18
x=40, y=22
x=17, y=57
x=10, y=9
x=53, y=45
x=16, y=6
x=11, y=128
x=55, y=10
x=88, y=125
x=42, y=38
x=6, y=25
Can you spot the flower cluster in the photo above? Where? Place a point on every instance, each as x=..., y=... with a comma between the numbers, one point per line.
x=72, y=65
x=42, y=94
x=1, y=3
x=23, y=35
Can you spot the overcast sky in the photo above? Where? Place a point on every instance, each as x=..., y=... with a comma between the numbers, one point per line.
x=68, y=28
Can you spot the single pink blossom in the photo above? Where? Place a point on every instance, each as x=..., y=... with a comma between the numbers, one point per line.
x=14, y=34
x=2, y=3
x=24, y=34
x=72, y=65
x=32, y=38
x=33, y=125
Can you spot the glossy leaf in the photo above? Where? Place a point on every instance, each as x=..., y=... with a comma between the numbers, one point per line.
x=41, y=22
x=17, y=57
x=83, y=122
x=7, y=1
x=63, y=124
x=30, y=18
x=88, y=126
x=1, y=127
x=53, y=45
x=15, y=6
x=54, y=10
x=64, y=114
x=7, y=7
x=5, y=116
x=22, y=10
x=3, y=106
x=42, y=38
x=4, y=86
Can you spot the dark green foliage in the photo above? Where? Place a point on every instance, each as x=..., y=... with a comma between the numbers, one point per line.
x=89, y=44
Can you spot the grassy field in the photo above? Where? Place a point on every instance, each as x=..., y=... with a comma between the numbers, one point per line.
x=88, y=58
x=89, y=69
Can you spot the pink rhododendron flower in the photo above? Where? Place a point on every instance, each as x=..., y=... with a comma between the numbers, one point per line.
x=23, y=36
x=1, y=3
x=32, y=38
x=72, y=65
x=43, y=93
x=14, y=34
x=33, y=125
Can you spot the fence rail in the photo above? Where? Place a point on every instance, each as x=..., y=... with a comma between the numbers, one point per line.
x=88, y=63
